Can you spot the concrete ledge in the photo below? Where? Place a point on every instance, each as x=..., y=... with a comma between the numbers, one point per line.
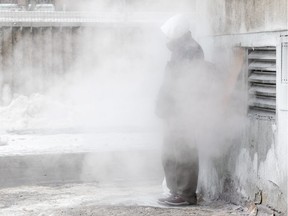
x=80, y=167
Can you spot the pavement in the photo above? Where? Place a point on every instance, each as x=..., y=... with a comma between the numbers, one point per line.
x=100, y=200
x=50, y=173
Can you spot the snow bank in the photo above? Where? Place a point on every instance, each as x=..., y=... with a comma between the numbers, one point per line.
x=35, y=111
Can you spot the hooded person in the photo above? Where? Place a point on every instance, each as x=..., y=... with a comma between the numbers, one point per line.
x=176, y=98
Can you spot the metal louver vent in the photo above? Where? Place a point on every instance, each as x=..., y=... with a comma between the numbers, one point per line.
x=262, y=80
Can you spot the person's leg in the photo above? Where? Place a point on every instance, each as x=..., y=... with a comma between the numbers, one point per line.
x=187, y=175
x=169, y=163
x=187, y=170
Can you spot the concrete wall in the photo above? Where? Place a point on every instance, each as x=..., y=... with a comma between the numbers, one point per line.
x=254, y=168
x=34, y=52
x=234, y=16
x=127, y=5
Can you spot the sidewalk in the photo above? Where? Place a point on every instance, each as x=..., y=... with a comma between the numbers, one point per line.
x=99, y=200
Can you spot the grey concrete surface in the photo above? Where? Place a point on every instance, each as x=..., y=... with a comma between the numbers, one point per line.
x=100, y=200
x=80, y=167
x=148, y=211
x=30, y=159
x=234, y=17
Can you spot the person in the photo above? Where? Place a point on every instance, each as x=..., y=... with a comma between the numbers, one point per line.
x=175, y=102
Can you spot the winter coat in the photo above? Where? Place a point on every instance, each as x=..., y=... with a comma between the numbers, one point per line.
x=190, y=87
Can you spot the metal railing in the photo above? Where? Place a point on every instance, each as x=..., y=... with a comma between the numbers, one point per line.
x=80, y=17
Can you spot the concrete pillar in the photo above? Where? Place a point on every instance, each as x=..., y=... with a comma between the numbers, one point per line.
x=27, y=59
x=57, y=61
x=37, y=58
x=76, y=32
x=61, y=5
x=1, y=68
x=87, y=44
x=67, y=48
x=17, y=59
x=47, y=55
x=23, y=4
x=91, y=45
x=7, y=50
x=1, y=39
x=27, y=44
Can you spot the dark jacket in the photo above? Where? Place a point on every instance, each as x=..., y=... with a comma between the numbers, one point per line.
x=188, y=84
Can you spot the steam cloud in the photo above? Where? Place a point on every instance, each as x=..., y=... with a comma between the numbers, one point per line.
x=114, y=83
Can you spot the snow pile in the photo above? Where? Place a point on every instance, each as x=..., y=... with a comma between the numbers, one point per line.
x=35, y=111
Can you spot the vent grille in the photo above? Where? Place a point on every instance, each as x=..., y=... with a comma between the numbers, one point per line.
x=284, y=69
x=262, y=80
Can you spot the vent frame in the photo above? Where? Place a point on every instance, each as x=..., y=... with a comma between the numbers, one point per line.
x=262, y=82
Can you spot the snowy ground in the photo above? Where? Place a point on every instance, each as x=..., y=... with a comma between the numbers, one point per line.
x=51, y=142
x=99, y=200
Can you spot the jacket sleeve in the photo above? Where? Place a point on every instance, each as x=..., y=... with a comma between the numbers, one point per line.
x=165, y=103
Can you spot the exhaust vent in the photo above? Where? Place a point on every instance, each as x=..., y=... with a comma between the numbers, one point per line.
x=262, y=81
